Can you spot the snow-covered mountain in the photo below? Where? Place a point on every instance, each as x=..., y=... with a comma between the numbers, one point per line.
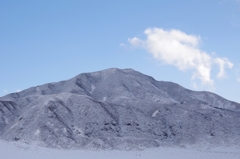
x=119, y=109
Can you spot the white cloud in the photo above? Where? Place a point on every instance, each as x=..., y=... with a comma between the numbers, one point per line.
x=122, y=45
x=5, y=91
x=174, y=47
x=223, y=63
x=18, y=90
x=135, y=42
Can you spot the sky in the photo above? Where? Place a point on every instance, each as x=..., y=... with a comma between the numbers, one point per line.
x=195, y=43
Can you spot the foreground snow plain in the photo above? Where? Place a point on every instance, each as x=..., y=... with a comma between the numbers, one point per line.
x=17, y=150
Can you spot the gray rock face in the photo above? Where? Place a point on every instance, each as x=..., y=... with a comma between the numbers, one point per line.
x=118, y=109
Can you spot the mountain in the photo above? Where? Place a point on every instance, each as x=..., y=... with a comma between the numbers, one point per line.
x=118, y=109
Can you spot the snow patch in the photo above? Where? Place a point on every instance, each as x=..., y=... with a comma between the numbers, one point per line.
x=77, y=130
x=37, y=132
x=104, y=98
x=155, y=113
x=48, y=100
x=6, y=120
x=38, y=89
x=93, y=87
x=14, y=125
x=64, y=130
x=51, y=124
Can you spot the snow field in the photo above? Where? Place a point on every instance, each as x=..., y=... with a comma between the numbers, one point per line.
x=16, y=150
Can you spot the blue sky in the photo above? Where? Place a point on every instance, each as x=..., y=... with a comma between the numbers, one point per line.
x=194, y=43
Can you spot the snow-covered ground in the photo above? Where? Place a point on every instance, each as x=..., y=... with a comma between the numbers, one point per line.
x=13, y=150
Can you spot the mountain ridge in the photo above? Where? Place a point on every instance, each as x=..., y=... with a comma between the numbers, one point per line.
x=119, y=109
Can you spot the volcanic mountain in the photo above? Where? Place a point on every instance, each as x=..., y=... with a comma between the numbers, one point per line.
x=118, y=109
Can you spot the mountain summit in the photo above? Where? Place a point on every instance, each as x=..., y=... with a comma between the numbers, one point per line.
x=118, y=109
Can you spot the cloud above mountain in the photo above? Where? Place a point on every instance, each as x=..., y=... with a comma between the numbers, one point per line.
x=174, y=47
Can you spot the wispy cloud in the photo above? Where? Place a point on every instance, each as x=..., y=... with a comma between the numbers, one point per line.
x=18, y=90
x=174, y=47
x=223, y=63
x=135, y=42
x=122, y=45
x=5, y=91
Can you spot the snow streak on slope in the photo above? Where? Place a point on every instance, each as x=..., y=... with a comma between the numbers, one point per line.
x=118, y=109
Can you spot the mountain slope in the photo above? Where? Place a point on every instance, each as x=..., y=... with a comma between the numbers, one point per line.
x=118, y=109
